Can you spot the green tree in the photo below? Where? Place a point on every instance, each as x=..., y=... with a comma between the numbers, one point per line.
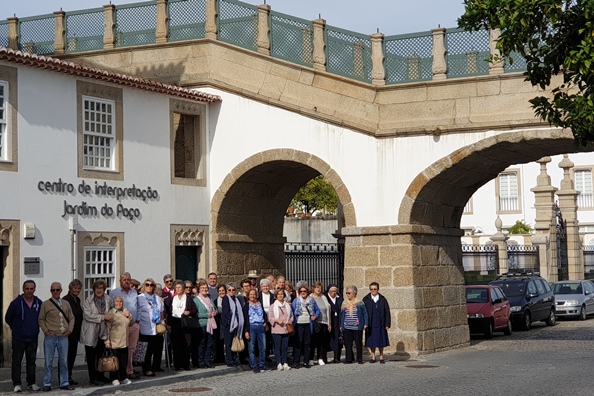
x=521, y=227
x=317, y=194
x=556, y=38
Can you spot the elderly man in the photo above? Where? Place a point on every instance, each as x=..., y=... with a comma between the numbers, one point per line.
x=74, y=289
x=57, y=322
x=130, y=297
x=22, y=316
x=168, y=288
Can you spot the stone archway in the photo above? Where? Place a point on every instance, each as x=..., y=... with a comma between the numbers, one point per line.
x=247, y=210
x=11, y=287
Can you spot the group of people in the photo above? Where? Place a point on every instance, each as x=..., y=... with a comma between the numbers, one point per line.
x=198, y=324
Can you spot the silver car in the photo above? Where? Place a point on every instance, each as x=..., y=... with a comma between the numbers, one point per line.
x=574, y=298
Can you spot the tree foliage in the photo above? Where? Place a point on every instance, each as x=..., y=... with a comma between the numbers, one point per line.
x=521, y=227
x=555, y=37
x=317, y=195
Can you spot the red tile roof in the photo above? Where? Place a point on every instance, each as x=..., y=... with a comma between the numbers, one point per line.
x=49, y=63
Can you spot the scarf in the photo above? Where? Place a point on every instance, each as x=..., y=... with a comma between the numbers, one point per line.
x=211, y=324
x=99, y=303
x=277, y=306
x=156, y=315
x=300, y=302
x=236, y=319
x=350, y=307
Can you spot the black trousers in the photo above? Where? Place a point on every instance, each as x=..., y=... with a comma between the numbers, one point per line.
x=319, y=343
x=351, y=336
x=302, y=343
x=122, y=355
x=20, y=349
x=154, y=352
x=335, y=340
x=72, y=349
x=93, y=355
x=180, y=341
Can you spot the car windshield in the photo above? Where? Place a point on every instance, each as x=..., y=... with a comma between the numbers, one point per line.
x=512, y=288
x=567, y=288
x=477, y=295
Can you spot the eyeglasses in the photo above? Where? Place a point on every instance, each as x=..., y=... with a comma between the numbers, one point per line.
x=349, y=293
x=373, y=288
x=149, y=284
x=230, y=289
x=188, y=287
x=55, y=290
x=169, y=281
x=302, y=291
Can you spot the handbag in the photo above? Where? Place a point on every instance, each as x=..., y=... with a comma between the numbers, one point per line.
x=108, y=363
x=316, y=326
x=290, y=328
x=190, y=322
x=237, y=345
x=161, y=328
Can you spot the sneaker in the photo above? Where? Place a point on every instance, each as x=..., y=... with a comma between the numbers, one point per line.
x=311, y=363
x=17, y=389
x=321, y=362
x=279, y=367
x=34, y=388
x=126, y=382
x=286, y=367
x=115, y=382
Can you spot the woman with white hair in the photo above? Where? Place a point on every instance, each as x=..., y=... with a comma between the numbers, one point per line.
x=353, y=320
x=266, y=299
x=117, y=339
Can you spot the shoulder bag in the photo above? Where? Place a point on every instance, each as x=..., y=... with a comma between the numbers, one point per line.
x=108, y=363
x=237, y=345
x=161, y=328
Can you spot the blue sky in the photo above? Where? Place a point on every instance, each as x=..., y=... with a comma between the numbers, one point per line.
x=390, y=16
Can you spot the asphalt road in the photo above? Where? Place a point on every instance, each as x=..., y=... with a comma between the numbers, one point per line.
x=543, y=361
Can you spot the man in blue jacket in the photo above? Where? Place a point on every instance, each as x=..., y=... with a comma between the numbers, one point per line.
x=22, y=317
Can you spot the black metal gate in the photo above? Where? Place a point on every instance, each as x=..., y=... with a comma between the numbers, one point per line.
x=562, y=262
x=315, y=262
x=588, y=262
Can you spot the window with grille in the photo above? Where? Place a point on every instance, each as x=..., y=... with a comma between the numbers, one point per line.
x=583, y=184
x=509, y=199
x=99, y=263
x=468, y=207
x=98, y=133
x=3, y=120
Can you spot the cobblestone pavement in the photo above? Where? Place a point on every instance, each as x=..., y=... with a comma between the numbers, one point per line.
x=543, y=361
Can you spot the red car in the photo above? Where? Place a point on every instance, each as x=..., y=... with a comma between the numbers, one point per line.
x=488, y=310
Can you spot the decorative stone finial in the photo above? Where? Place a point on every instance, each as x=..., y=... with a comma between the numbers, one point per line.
x=498, y=224
x=566, y=163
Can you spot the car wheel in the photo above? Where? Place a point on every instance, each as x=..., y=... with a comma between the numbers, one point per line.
x=489, y=330
x=583, y=313
x=526, y=321
x=508, y=329
x=552, y=319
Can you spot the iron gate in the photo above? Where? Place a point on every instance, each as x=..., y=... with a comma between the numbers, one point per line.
x=315, y=262
x=562, y=262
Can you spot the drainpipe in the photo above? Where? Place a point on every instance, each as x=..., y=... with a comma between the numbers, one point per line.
x=72, y=223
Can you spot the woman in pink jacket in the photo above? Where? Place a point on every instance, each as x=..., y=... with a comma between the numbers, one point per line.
x=279, y=314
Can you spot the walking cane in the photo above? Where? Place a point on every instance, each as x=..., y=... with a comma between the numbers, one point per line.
x=167, y=362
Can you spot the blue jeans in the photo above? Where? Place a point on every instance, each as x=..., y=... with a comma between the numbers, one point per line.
x=281, y=344
x=257, y=335
x=50, y=343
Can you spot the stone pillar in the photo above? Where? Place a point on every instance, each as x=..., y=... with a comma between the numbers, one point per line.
x=500, y=240
x=541, y=241
x=109, y=26
x=440, y=66
x=212, y=30
x=13, y=33
x=378, y=71
x=319, y=54
x=59, y=33
x=162, y=33
x=419, y=269
x=496, y=64
x=264, y=29
x=568, y=206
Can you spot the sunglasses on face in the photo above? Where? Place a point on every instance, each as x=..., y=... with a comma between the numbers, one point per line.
x=55, y=290
x=373, y=289
x=188, y=287
x=230, y=289
x=302, y=291
x=149, y=284
x=169, y=281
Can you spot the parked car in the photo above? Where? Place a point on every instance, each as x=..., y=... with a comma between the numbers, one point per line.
x=530, y=296
x=574, y=298
x=488, y=310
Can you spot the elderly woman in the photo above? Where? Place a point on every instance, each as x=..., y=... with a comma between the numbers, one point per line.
x=267, y=299
x=218, y=340
x=335, y=302
x=232, y=322
x=94, y=331
x=378, y=309
x=117, y=339
x=279, y=315
x=320, y=340
x=151, y=313
x=353, y=320
x=177, y=307
x=208, y=324
x=193, y=333
x=305, y=311
x=256, y=324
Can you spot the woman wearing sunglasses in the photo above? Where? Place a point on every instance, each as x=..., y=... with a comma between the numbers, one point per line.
x=305, y=312
x=151, y=313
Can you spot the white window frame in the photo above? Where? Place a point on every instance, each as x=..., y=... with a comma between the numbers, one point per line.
x=96, y=268
x=505, y=197
x=583, y=184
x=108, y=133
x=4, y=149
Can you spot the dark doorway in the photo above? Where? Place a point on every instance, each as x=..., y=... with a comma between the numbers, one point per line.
x=186, y=262
x=3, y=257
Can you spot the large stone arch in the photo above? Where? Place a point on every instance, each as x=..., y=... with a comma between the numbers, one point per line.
x=247, y=210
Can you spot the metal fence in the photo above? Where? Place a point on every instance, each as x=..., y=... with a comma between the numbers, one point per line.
x=480, y=262
x=291, y=38
x=523, y=257
x=187, y=19
x=37, y=34
x=467, y=52
x=238, y=23
x=588, y=262
x=84, y=30
x=315, y=262
x=408, y=57
x=4, y=33
x=136, y=24
x=348, y=53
